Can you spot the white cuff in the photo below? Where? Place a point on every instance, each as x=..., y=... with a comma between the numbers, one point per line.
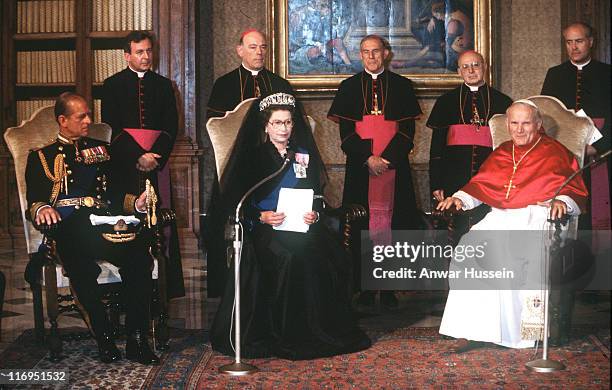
x=469, y=202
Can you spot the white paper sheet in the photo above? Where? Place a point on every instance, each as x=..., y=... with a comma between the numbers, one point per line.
x=294, y=203
x=596, y=136
x=111, y=220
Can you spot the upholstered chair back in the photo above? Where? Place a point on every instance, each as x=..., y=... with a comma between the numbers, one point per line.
x=559, y=122
x=39, y=130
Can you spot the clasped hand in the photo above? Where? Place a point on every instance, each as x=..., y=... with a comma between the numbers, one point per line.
x=48, y=215
x=377, y=165
x=558, y=208
x=147, y=162
x=273, y=218
x=449, y=202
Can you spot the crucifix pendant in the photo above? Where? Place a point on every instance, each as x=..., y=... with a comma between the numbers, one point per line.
x=510, y=186
x=375, y=110
x=476, y=121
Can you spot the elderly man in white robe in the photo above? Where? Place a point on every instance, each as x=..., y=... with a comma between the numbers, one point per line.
x=519, y=180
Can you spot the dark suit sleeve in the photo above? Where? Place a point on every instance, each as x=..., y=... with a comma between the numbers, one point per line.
x=401, y=144
x=352, y=144
x=215, y=101
x=123, y=147
x=38, y=185
x=111, y=109
x=548, y=88
x=436, y=151
x=164, y=144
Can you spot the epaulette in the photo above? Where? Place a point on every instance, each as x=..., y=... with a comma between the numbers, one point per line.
x=51, y=142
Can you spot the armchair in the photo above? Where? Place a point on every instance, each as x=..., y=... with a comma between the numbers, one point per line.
x=39, y=130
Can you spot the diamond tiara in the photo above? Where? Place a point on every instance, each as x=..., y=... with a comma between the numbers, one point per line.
x=277, y=99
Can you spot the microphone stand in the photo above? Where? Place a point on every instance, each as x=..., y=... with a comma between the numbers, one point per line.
x=238, y=368
x=545, y=364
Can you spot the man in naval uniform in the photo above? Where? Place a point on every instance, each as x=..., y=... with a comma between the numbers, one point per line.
x=461, y=138
x=140, y=106
x=375, y=110
x=67, y=183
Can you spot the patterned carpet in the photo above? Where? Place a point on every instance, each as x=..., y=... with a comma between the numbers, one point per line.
x=402, y=359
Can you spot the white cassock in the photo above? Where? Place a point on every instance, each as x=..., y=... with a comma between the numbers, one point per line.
x=495, y=315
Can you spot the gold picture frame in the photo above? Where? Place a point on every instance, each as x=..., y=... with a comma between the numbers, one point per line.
x=430, y=83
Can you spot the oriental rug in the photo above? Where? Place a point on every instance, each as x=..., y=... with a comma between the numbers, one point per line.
x=406, y=358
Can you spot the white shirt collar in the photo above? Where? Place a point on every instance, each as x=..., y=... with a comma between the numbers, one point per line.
x=580, y=66
x=140, y=74
x=253, y=72
x=474, y=88
x=374, y=75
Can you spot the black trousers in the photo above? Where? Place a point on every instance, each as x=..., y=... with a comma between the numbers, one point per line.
x=80, y=245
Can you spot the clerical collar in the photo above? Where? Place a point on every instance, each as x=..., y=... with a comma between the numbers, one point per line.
x=374, y=75
x=140, y=74
x=66, y=140
x=474, y=88
x=254, y=73
x=580, y=66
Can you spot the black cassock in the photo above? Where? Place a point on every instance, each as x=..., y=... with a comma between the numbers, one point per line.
x=454, y=159
x=402, y=107
x=591, y=92
x=229, y=91
x=238, y=85
x=398, y=103
x=452, y=166
x=588, y=89
x=130, y=102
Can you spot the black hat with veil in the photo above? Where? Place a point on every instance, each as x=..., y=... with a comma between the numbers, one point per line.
x=239, y=173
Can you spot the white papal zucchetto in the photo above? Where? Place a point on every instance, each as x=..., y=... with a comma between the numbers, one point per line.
x=277, y=99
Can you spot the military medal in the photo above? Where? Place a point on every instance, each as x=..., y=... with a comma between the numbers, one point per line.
x=95, y=155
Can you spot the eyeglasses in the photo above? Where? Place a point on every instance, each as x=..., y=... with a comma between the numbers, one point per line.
x=475, y=65
x=278, y=124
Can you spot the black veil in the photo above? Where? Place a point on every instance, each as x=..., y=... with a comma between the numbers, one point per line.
x=236, y=180
x=237, y=177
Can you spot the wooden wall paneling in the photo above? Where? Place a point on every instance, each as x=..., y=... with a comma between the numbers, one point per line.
x=84, y=57
x=176, y=38
x=7, y=117
x=597, y=14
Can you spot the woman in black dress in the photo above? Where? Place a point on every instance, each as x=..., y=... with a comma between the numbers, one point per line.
x=294, y=301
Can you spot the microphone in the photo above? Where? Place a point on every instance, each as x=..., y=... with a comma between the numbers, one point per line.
x=289, y=156
x=563, y=220
x=573, y=175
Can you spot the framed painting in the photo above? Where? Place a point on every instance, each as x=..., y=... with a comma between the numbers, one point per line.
x=315, y=43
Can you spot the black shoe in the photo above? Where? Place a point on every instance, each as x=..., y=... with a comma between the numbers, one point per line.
x=388, y=299
x=138, y=350
x=107, y=349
